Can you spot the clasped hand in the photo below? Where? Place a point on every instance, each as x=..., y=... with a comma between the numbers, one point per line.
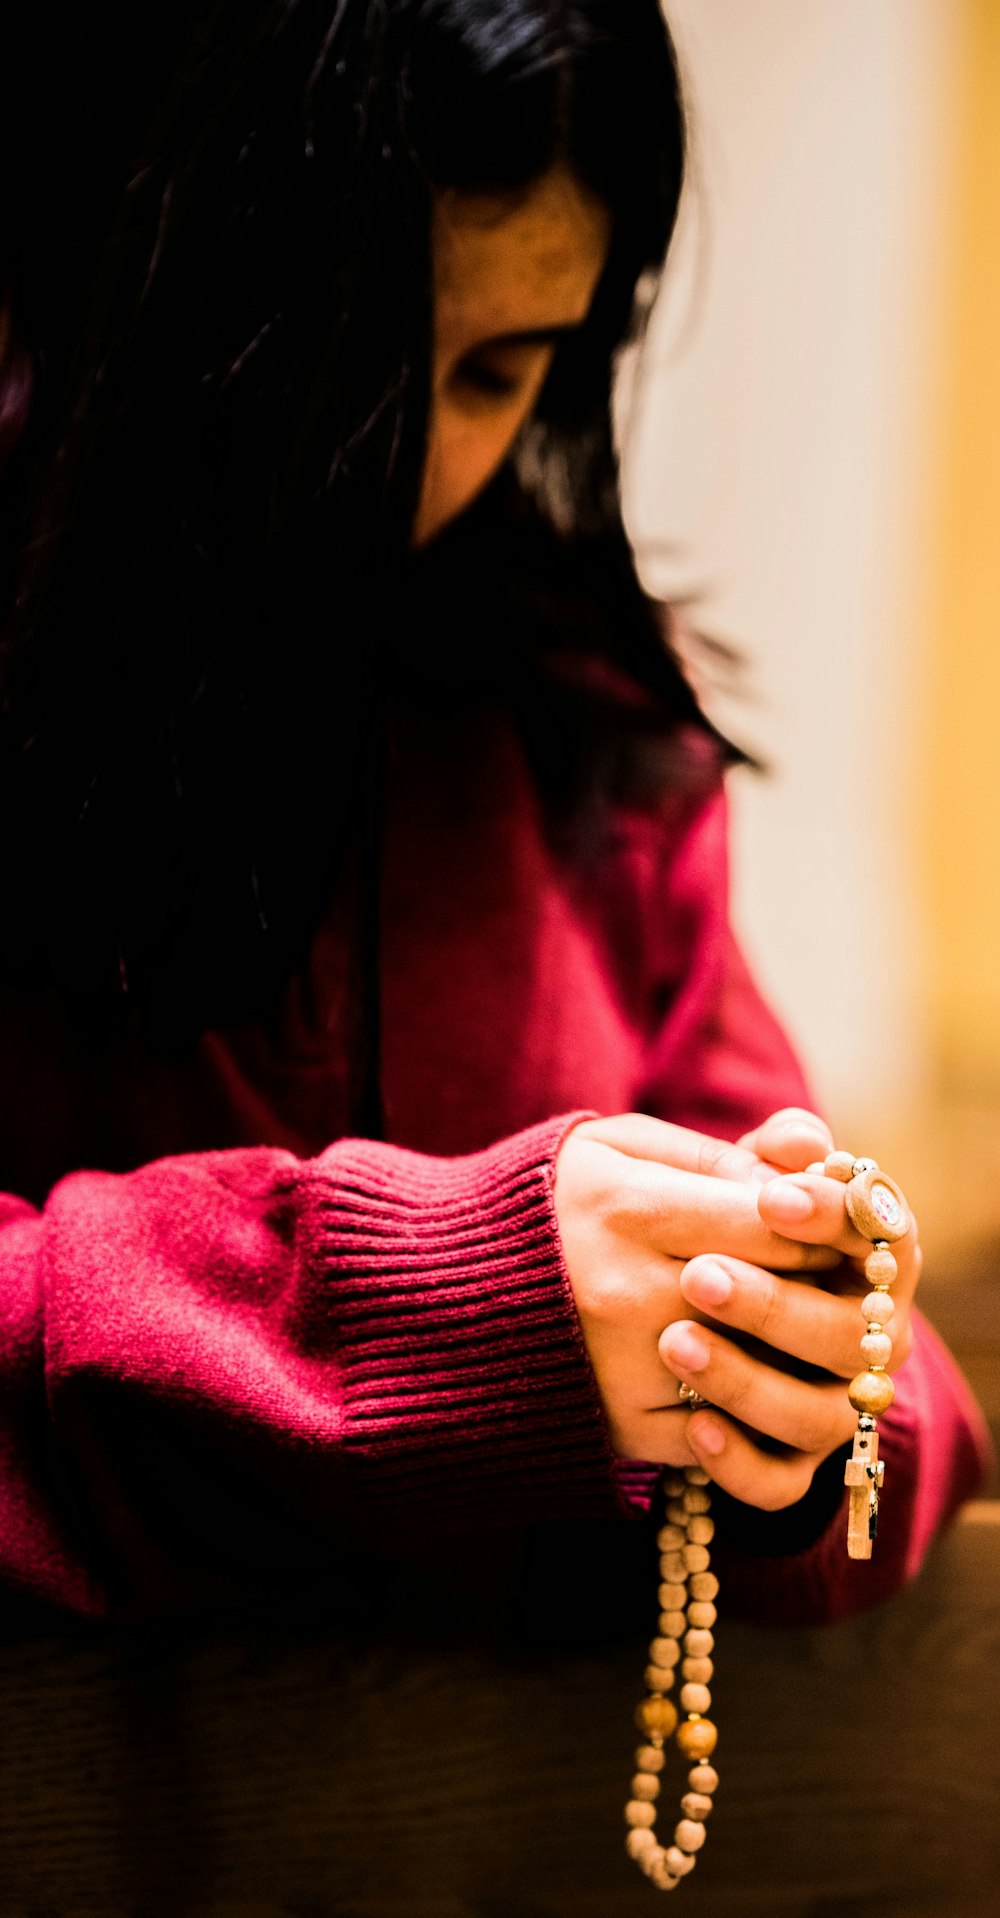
x=733, y=1269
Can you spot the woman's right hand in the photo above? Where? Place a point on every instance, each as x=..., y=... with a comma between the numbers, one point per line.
x=637, y=1198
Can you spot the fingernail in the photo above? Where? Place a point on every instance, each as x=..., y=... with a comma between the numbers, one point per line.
x=706, y=1283
x=789, y=1203
x=706, y=1436
x=685, y=1349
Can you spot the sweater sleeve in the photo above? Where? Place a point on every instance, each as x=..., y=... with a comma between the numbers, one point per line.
x=219, y=1369
x=721, y=1063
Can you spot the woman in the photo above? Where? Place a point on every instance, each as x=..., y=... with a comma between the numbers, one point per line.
x=363, y=838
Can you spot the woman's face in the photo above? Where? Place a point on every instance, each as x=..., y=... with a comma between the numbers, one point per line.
x=509, y=281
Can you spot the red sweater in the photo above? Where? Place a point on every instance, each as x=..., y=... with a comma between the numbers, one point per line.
x=235, y=1340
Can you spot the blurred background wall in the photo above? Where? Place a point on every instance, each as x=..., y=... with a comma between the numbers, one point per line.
x=814, y=452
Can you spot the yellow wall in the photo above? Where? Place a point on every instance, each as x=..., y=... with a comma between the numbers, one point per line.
x=957, y=785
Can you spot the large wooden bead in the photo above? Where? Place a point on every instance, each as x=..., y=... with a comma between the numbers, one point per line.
x=659, y=1678
x=700, y=1670
x=678, y=1862
x=700, y=1612
x=637, y=1812
x=699, y=1644
x=877, y=1308
x=880, y=1266
x=650, y=1758
x=664, y=1651
x=640, y=1839
x=696, y=1804
x=696, y=1558
x=704, y=1585
x=697, y=1737
x=876, y=1207
x=701, y=1531
x=695, y=1698
x=703, y=1778
x=656, y=1717
x=871, y=1392
x=646, y=1785
x=876, y=1347
x=689, y=1834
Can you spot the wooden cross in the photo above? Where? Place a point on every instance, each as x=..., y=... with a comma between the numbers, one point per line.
x=863, y=1474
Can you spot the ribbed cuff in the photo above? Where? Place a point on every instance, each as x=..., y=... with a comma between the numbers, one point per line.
x=466, y=1386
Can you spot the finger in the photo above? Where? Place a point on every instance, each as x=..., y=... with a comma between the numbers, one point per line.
x=811, y=1417
x=820, y=1327
x=812, y=1208
x=791, y=1139
x=741, y=1467
x=639, y=1137
x=683, y=1213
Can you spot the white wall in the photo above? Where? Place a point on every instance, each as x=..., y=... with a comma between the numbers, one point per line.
x=779, y=462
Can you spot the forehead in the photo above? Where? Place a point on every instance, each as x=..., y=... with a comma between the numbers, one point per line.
x=511, y=266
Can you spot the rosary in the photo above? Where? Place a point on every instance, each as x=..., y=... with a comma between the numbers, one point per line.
x=877, y=1210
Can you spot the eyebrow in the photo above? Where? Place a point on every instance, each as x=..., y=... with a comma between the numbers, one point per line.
x=536, y=336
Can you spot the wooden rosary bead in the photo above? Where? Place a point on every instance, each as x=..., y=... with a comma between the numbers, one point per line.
x=871, y=1392
x=652, y=1859
x=661, y=1875
x=664, y=1651
x=696, y=1475
x=877, y=1209
x=673, y=1623
x=702, y=1613
x=678, y=1862
x=640, y=1839
x=689, y=1834
x=839, y=1165
x=876, y=1347
x=703, y=1778
x=696, y=1804
x=650, y=1758
x=673, y=1484
x=696, y=1558
x=670, y=1538
x=673, y=1597
x=877, y=1307
x=637, y=1812
x=701, y=1531
x=658, y=1678
x=673, y=1566
x=880, y=1266
x=656, y=1716
x=695, y=1698
x=701, y=1670
x=699, y=1644
x=677, y=1515
x=704, y=1585
x=696, y=1500
x=697, y=1738
x=646, y=1785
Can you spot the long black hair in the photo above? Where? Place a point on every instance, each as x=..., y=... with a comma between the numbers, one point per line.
x=215, y=226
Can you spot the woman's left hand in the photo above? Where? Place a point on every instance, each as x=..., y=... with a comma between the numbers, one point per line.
x=817, y=1324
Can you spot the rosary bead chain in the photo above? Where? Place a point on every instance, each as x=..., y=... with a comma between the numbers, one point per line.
x=686, y=1639
x=876, y=1209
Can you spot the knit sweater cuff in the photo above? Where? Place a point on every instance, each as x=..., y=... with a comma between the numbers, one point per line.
x=466, y=1388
